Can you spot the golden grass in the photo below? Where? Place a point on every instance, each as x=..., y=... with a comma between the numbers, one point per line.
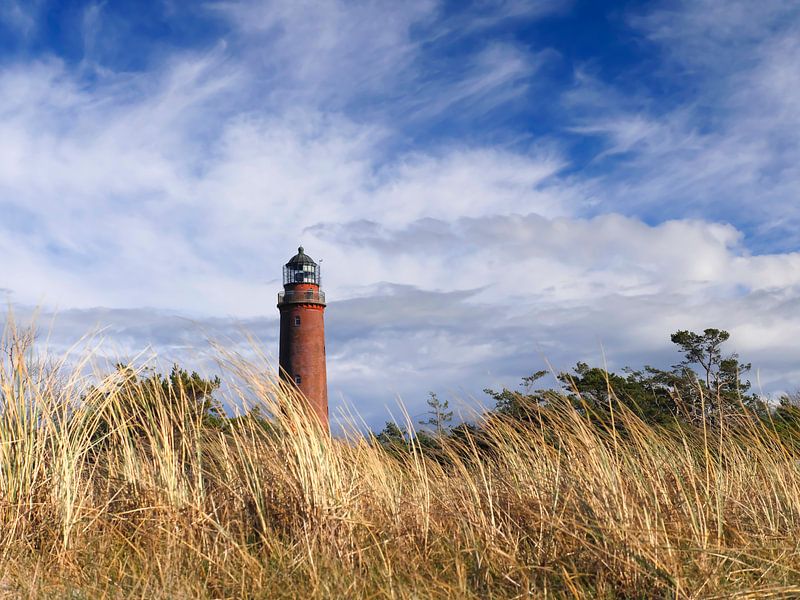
x=178, y=509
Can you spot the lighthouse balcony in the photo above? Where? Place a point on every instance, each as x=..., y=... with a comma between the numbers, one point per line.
x=301, y=297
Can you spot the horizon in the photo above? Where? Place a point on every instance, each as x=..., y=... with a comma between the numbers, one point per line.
x=492, y=187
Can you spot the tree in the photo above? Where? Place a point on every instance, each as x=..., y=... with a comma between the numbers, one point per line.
x=521, y=405
x=197, y=391
x=392, y=438
x=644, y=392
x=706, y=386
x=787, y=413
x=721, y=387
x=703, y=350
x=139, y=400
x=439, y=417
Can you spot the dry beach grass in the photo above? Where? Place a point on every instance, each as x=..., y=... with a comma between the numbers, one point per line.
x=163, y=505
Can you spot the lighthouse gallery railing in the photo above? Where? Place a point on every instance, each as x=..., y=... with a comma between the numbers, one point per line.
x=301, y=297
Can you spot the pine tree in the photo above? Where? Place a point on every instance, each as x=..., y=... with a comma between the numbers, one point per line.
x=439, y=417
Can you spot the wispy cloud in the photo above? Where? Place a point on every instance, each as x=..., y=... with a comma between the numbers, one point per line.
x=21, y=18
x=730, y=150
x=452, y=260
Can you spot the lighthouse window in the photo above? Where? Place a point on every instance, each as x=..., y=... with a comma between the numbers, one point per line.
x=297, y=379
x=297, y=321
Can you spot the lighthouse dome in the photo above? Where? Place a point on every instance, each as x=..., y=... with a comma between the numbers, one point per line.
x=301, y=258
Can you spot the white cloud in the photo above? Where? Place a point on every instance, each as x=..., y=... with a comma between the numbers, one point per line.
x=565, y=259
x=327, y=51
x=449, y=264
x=108, y=193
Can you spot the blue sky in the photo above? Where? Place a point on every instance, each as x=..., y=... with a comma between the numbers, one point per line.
x=491, y=185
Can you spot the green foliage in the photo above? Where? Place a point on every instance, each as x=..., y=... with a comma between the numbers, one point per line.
x=523, y=404
x=138, y=399
x=645, y=392
x=705, y=387
x=439, y=417
x=702, y=349
x=254, y=418
x=720, y=391
x=393, y=439
x=788, y=409
x=392, y=435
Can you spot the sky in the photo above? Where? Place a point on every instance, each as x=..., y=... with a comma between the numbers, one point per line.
x=494, y=187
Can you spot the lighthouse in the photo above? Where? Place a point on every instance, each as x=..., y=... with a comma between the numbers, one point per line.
x=302, y=342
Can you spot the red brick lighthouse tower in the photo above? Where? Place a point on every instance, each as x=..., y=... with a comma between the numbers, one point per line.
x=302, y=352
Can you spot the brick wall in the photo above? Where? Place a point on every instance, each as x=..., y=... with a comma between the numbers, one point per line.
x=302, y=350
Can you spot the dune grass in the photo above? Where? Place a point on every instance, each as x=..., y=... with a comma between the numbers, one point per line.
x=97, y=502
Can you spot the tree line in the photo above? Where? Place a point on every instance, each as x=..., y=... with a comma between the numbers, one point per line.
x=706, y=388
